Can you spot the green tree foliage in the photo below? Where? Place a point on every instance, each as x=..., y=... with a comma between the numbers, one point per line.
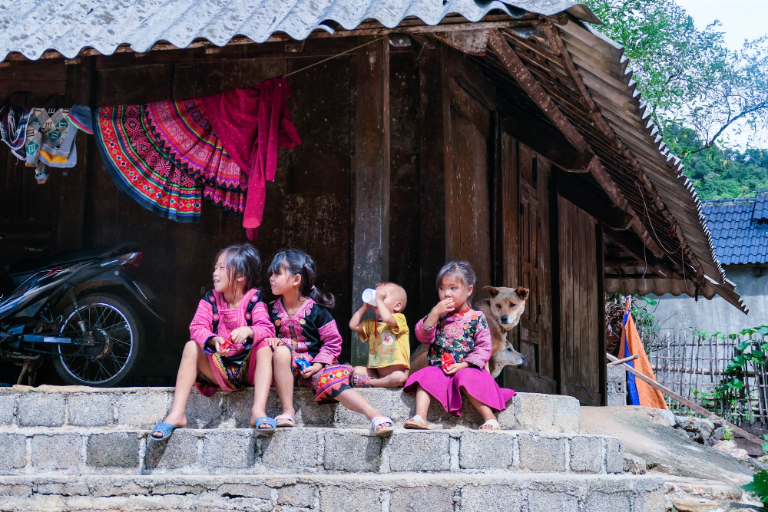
x=697, y=90
x=723, y=173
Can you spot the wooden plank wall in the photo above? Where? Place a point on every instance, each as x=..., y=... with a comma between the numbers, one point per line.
x=579, y=305
x=29, y=212
x=455, y=192
x=308, y=206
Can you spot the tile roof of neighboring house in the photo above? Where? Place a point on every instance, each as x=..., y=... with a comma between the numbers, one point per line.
x=739, y=229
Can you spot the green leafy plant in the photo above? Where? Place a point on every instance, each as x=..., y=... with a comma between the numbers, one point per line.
x=728, y=434
x=759, y=486
x=723, y=398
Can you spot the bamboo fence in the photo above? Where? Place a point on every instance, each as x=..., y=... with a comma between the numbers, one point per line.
x=693, y=366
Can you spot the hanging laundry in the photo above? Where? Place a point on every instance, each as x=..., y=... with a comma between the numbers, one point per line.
x=80, y=117
x=639, y=392
x=13, y=129
x=169, y=155
x=50, y=141
x=252, y=123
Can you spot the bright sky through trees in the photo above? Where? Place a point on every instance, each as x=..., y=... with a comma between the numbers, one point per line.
x=739, y=20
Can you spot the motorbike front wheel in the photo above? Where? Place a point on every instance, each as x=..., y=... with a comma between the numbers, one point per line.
x=117, y=333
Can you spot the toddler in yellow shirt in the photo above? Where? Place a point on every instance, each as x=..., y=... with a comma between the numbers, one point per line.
x=389, y=354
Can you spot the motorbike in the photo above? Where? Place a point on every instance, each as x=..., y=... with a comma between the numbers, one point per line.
x=78, y=309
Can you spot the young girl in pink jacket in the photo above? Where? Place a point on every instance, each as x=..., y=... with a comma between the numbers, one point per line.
x=229, y=348
x=454, y=328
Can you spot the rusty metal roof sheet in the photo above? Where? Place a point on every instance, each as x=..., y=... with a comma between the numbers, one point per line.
x=68, y=26
x=603, y=67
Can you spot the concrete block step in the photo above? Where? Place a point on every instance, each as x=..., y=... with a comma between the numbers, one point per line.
x=303, y=450
x=365, y=493
x=141, y=408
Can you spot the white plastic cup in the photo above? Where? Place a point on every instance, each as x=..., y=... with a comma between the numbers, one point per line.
x=369, y=296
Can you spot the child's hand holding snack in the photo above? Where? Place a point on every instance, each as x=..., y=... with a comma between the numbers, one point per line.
x=309, y=372
x=222, y=346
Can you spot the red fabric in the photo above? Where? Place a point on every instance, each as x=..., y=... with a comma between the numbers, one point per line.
x=251, y=124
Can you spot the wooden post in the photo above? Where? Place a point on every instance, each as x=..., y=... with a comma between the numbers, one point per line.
x=69, y=233
x=600, y=253
x=370, y=168
x=431, y=174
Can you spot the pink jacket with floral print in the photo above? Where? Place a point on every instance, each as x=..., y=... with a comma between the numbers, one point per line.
x=465, y=335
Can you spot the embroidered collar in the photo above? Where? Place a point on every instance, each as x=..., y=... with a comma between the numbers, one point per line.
x=458, y=316
x=222, y=302
x=302, y=312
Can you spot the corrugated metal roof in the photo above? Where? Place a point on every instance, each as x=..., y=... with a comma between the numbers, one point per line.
x=739, y=229
x=68, y=26
x=603, y=68
x=657, y=287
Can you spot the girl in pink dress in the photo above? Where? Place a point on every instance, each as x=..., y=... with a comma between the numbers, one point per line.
x=229, y=348
x=453, y=327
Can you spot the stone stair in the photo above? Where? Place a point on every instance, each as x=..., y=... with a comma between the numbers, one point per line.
x=74, y=448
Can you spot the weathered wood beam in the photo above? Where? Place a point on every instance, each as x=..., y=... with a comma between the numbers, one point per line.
x=370, y=168
x=80, y=89
x=471, y=42
x=431, y=171
x=531, y=86
x=543, y=138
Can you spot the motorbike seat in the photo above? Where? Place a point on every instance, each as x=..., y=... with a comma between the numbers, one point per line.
x=29, y=265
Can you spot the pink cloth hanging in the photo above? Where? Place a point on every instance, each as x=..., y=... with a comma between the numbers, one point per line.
x=251, y=124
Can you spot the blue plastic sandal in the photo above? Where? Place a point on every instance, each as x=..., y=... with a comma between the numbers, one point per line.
x=166, y=429
x=262, y=420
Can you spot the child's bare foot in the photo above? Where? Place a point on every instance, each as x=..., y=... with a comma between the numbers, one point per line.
x=180, y=420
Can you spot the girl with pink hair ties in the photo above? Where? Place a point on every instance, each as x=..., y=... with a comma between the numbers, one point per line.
x=460, y=346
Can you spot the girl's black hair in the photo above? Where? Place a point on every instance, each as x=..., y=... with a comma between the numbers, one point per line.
x=242, y=260
x=461, y=269
x=300, y=263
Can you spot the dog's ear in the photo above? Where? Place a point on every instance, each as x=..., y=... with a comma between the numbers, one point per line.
x=491, y=291
x=522, y=292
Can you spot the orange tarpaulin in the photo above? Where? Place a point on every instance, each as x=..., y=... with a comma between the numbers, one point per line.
x=631, y=345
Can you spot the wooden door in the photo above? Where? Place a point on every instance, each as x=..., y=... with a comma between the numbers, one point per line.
x=467, y=198
x=579, y=305
x=525, y=235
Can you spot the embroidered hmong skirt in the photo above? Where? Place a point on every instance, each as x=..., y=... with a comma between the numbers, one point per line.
x=166, y=157
x=328, y=383
x=232, y=373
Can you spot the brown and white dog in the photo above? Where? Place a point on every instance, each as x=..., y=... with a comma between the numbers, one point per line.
x=503, y=310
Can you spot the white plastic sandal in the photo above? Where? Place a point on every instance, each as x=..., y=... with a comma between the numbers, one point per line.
x=379, y=421
x=493, y=424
